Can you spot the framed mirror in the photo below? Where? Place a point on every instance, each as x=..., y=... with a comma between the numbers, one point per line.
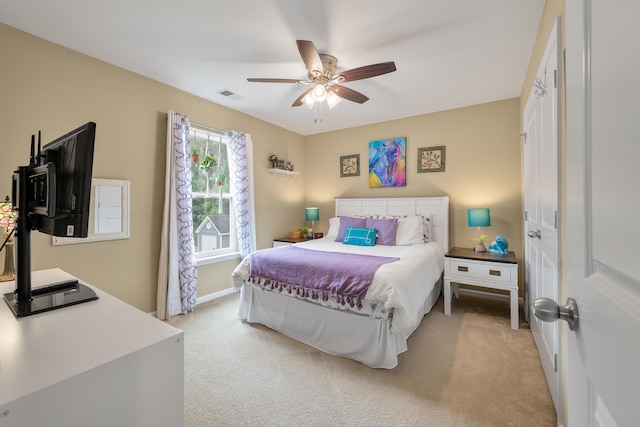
x=109, y=212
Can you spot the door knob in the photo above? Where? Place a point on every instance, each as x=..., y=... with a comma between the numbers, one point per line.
x=548, y=310
x=534, y=234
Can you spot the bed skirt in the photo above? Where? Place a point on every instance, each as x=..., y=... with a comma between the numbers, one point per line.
x=340, y=333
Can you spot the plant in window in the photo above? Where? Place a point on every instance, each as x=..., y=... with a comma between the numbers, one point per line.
x=207, y=164
x=221, y=179
x=194, y=156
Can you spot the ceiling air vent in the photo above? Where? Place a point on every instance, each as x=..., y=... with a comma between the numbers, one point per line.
x=228, y=94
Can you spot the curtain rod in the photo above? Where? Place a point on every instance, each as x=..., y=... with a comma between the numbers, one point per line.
x=220, y=131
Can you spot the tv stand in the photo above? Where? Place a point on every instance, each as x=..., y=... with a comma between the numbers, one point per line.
x=50, y=297
x=25, y=301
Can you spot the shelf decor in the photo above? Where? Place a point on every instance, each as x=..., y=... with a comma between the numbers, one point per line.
x=431, y=159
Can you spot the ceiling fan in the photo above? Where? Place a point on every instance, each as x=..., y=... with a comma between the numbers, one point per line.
x=325, y=82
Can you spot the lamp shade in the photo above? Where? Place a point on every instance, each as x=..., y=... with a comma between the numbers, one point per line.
x=333, y=99
x=479, y=217
x=313, y=214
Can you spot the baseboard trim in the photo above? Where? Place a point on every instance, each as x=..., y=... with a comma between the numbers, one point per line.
x=215, y=295
x=206, y=298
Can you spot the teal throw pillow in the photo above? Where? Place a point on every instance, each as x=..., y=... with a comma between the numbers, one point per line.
x=360, y=236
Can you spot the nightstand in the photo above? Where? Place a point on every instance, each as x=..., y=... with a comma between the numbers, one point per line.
x=489, y=270
x=286, y=241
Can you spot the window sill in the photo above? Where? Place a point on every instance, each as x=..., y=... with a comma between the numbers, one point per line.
x=218, y=258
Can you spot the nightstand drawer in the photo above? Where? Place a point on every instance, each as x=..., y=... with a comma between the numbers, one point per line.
x=481, y=270
x=277, y=244
x=286, y=241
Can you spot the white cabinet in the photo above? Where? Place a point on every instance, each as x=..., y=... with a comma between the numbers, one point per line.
x=495, y=271
x=100, y=363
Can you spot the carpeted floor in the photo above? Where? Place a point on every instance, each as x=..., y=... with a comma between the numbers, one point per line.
x=470, y=369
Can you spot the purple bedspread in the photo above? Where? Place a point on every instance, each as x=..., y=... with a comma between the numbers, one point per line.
x=316, y=274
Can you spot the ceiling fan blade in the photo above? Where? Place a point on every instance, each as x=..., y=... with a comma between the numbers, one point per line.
x=368, y=71
x=298, y=102
x=350, y=94
x=310, y=56
x=267, y=80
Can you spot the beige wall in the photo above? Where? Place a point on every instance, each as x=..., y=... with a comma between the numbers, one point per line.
x=49, y=88
x=53, y=89
x=482, y=166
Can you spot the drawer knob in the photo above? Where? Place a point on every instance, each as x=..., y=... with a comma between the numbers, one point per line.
x=462, y=268
x=495, y=272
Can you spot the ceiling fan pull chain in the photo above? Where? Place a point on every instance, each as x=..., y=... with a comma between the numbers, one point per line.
x=317, y=116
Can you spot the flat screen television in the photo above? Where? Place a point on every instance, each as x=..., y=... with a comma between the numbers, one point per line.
x=72, y=156
x=52, y=195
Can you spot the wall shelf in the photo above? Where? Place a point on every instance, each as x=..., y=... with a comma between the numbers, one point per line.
x=291, y=175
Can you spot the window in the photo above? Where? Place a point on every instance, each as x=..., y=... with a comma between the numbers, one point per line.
x=213, y=220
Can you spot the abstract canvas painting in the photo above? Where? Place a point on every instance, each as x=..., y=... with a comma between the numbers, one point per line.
x=387, y=162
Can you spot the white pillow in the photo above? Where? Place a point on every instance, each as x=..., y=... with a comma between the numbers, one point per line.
x=411, y=230
x=334, y=226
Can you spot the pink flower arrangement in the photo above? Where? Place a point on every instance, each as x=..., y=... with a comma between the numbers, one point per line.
x=7, y=215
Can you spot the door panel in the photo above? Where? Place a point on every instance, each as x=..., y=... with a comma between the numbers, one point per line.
x=603, y=153
x=542, y=261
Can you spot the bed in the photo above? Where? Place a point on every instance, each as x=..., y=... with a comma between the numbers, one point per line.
x=371, y=324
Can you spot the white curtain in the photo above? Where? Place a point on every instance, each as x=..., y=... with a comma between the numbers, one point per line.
x=177, y=271
x=240, y=154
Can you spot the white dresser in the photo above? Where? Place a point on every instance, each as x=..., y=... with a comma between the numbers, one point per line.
x=100, y=363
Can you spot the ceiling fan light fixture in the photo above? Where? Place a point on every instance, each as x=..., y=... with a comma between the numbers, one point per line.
x=308, y=101
x=319, y=93
x=333, y=99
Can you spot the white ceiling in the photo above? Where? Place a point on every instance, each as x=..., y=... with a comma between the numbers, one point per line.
x=448, y=53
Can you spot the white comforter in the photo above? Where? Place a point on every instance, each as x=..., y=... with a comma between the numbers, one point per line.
x=401, y=287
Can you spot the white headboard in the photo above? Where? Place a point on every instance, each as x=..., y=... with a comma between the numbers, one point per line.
x=437, y=208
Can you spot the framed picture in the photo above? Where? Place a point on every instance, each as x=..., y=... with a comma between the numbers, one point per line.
x=318, y=235
x=387, y=163
x=431, y=159
x=350, y=165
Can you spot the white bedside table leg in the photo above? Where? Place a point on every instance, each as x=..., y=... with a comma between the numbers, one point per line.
x=447, y=297
x=514, y=309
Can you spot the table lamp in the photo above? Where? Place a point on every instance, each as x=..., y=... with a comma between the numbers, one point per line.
x=479, y=218
x=312, y=214
x=7, y=223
